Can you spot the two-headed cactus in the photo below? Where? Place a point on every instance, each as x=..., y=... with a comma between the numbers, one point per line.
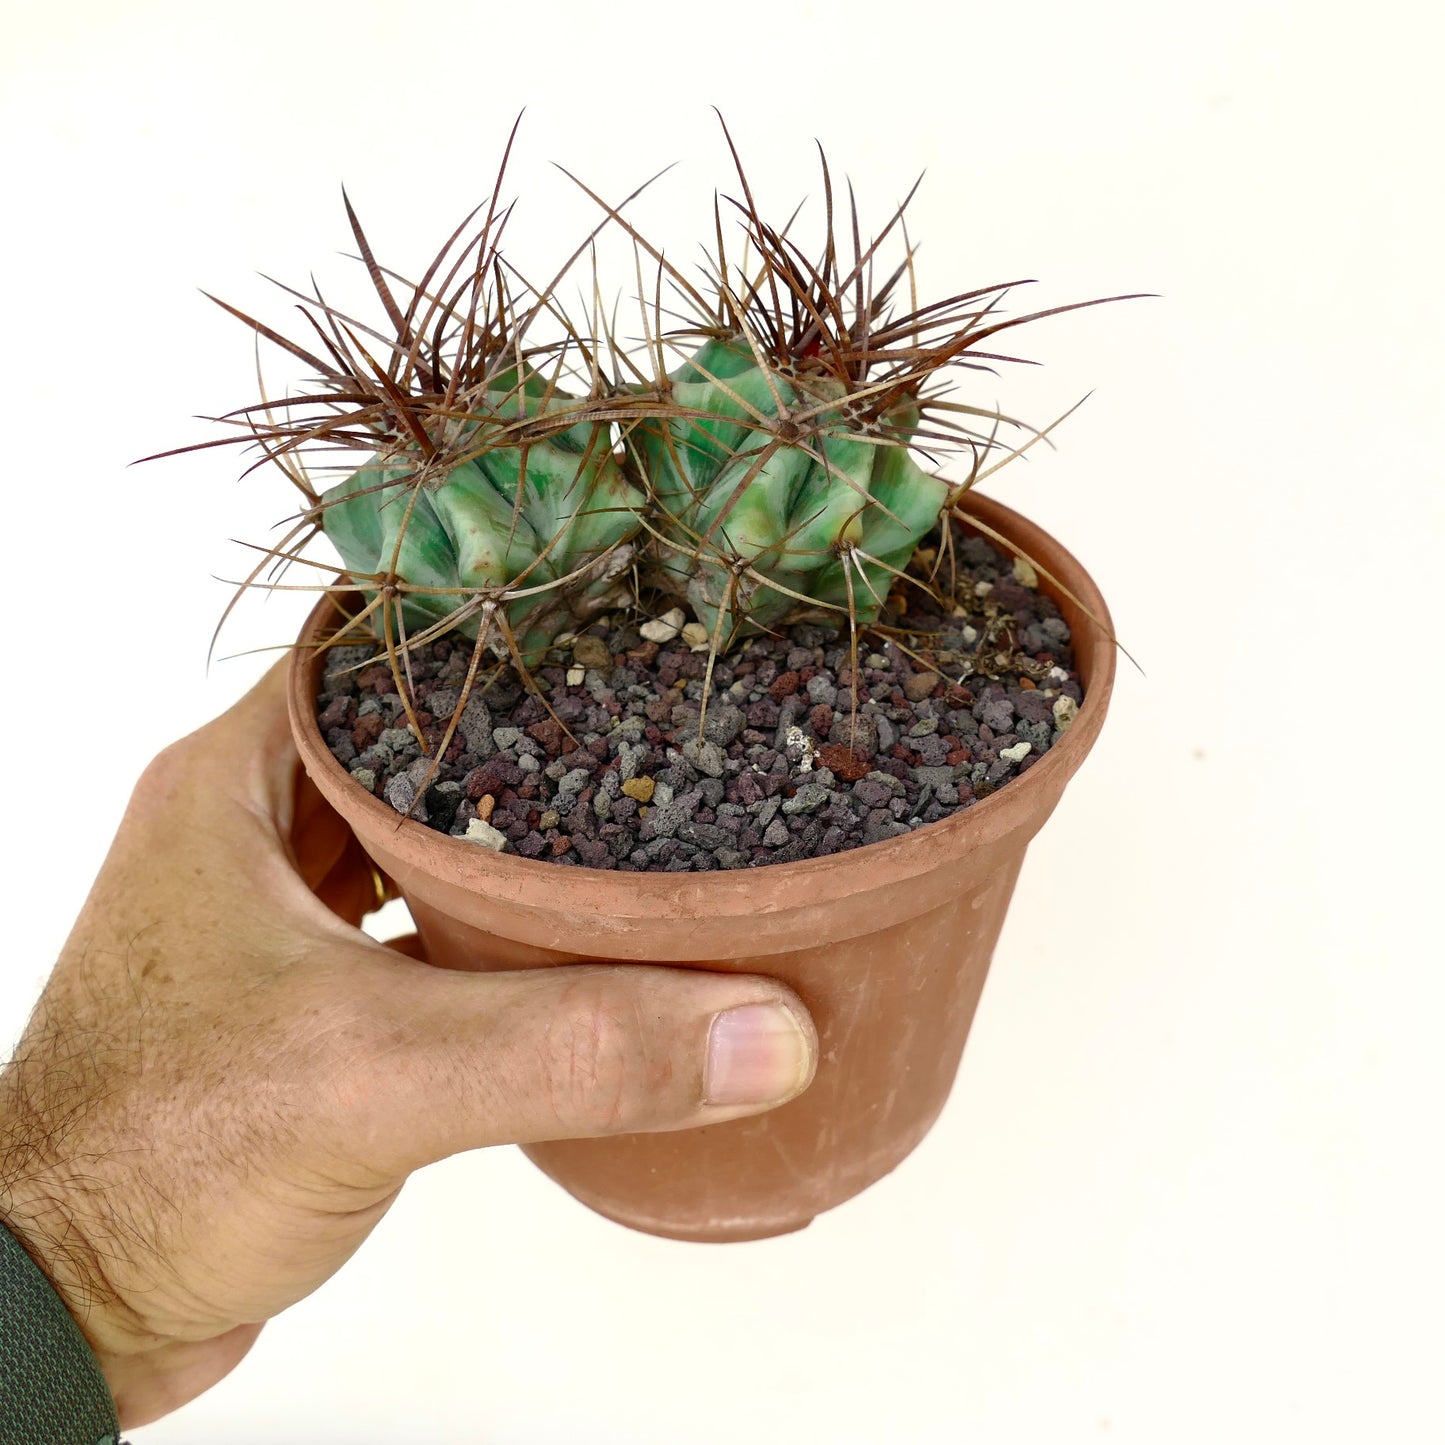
x=512, y=491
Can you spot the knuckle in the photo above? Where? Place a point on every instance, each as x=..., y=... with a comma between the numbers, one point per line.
x=607, y=1069
x=167, y=772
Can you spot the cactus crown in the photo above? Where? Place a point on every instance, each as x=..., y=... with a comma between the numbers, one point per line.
x=756, y=461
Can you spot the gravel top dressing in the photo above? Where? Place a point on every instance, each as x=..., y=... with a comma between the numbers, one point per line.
x=952, y=702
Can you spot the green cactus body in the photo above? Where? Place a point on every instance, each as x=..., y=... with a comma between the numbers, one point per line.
x=807, y=503
x=530, y=513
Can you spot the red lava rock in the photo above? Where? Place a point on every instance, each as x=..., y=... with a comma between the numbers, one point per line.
x=784, y=685
x=529, y=789
x=549, y=733
x=845, y=763
x=368, y=728
x=902, y=753
x=339, y=712
x=377, y=680
x=644, y=652
x=492, y=777
x=653, y=734
x=806, y=676
x=1027, y=684
x=820, y=719
x=960, y=696
x=898, y=698
x=560, y=844
x=920, y=686
x=957, y=756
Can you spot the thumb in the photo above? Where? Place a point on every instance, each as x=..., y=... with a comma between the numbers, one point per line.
x=573, y=1051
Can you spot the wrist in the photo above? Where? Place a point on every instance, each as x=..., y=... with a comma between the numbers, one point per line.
x=51, y=1386
x=60, y=1219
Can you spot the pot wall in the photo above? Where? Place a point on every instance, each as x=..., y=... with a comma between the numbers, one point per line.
x=888, y=945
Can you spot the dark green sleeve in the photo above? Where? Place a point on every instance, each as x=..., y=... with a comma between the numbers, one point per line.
x=51, y=1389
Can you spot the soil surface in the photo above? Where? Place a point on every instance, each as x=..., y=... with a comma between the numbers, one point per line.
x=954, y=699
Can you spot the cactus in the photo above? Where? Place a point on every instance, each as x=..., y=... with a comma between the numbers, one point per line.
x=490, y=501
x=768, y=520
x=545, y=513
x=779, y=459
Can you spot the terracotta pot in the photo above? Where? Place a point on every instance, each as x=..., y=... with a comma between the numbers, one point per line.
x=887, y=944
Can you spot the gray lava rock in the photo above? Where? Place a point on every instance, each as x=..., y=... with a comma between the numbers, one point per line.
x=705, y=756
x=724, y=723
x=809, y=798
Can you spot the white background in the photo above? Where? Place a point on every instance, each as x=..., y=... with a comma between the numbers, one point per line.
x=1188, y=1186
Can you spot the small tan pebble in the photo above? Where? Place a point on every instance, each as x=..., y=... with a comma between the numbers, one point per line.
x=675, y=617
x=1024, y=573
x=482, y=832
x=920, y=686
x=658, y=630
x=640, y=788
x=1027, y=684
x=485, y=804
x=695, y=635
x=590, y=651
x=576, y=676
x=1065, y=711
x=550, y=819
x=982, y=589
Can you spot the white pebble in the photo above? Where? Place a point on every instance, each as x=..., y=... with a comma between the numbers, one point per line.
x=795, y=737
x=1017, y=753
x=969, y=635
x=486, y=835
x=695, y=635
x=982, y=589
x=1065, y=711
x=659, y=629
x=576, y=676
x=1057, y=674
x=1024, y=573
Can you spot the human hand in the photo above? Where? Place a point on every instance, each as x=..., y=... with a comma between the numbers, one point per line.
x=226, y=1083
